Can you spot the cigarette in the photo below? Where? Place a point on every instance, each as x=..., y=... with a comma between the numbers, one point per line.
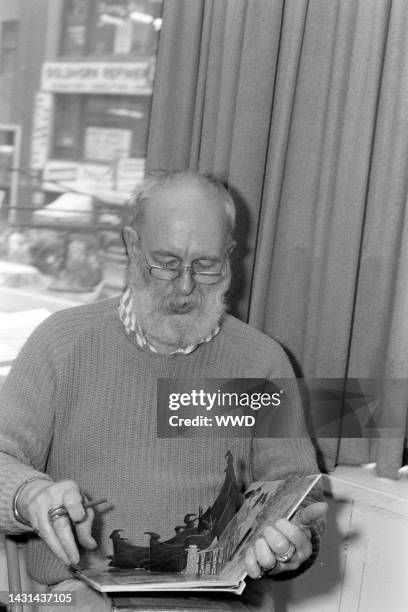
x=95, y=502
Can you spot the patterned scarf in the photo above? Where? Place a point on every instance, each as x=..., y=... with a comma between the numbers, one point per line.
x=132, y=327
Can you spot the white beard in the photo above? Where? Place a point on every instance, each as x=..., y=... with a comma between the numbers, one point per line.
x=169, y=318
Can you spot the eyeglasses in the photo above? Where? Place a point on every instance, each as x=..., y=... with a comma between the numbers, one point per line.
x=172, y=271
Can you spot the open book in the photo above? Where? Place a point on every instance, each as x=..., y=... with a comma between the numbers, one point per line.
x=220, y=566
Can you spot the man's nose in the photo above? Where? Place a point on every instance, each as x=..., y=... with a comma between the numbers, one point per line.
x=186, y=282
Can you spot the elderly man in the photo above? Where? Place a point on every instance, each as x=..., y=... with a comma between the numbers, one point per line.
x=78, y=414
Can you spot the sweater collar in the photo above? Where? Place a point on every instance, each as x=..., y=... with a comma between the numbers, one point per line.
x=133, y=329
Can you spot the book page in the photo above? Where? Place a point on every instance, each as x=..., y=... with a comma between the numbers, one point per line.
x=265, y=503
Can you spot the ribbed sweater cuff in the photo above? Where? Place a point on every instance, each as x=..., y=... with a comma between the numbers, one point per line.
x=17, y=473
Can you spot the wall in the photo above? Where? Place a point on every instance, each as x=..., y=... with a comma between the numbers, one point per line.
x=364, y=556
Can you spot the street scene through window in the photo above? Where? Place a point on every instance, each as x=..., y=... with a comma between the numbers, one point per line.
x=76, y=83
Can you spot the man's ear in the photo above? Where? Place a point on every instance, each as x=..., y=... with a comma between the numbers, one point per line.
x=132, y=241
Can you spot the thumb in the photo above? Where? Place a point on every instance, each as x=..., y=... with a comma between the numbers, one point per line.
x=312, y=513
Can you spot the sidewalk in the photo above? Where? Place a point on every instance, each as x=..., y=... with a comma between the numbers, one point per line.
x=26, y=299
x=20, y=313
x=24, y=303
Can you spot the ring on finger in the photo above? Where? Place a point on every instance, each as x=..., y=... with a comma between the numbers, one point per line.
x=287, y=556
x=56, y=513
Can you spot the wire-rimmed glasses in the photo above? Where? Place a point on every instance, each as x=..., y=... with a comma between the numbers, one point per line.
x=172, y=271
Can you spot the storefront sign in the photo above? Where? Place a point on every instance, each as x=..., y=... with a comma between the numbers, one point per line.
x=42, y=126
x=98, y=77
x=95, y=176
x=60, y=171
x=86, y=178
x=107, y=144
x=130, y=172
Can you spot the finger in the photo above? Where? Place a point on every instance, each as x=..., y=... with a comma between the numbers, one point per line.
x=82, y=519
x=307, y=516
x=83, y=530
x=72, y=500
x=58, y=535
x=45, y=530
x=264, y=555
x=63, y=529
x=276, y=540
x=298, y=537
x=251, y=565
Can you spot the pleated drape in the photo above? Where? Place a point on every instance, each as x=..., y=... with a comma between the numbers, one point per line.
x=301, y=106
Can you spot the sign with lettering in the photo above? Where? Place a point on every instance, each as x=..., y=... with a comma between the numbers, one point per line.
x=42, y=126
x=130, y=172
x=60, y=175
x=107, y=144
x=60, y=172
x=117, y=78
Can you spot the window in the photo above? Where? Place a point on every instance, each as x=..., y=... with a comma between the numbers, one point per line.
x=106, y=28
x=115, y=126
x=9, y=43
x=100, y=128
x=67, y=126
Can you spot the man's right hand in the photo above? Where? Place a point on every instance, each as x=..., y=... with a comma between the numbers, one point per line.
x=40, y=496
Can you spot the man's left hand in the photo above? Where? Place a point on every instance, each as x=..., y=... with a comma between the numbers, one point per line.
x=285, y=545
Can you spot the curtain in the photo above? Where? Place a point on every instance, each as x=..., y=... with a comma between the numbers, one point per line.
x=301, y=107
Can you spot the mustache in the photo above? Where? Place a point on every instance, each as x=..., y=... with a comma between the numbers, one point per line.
x=179, y=304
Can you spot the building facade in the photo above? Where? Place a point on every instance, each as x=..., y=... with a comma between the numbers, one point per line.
x=23, y=26
x=91, y=111
x=76, y=78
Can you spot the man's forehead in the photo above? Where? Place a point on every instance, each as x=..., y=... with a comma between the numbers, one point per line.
x=184, y=211
x=186, y=200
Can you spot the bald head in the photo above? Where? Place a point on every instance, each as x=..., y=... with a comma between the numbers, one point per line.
x=167, y=187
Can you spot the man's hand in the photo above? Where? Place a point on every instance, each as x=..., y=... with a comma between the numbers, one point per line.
x=40, y=496
x=279, y=540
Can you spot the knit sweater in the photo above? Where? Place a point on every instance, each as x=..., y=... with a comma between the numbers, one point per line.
x=80, y=403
